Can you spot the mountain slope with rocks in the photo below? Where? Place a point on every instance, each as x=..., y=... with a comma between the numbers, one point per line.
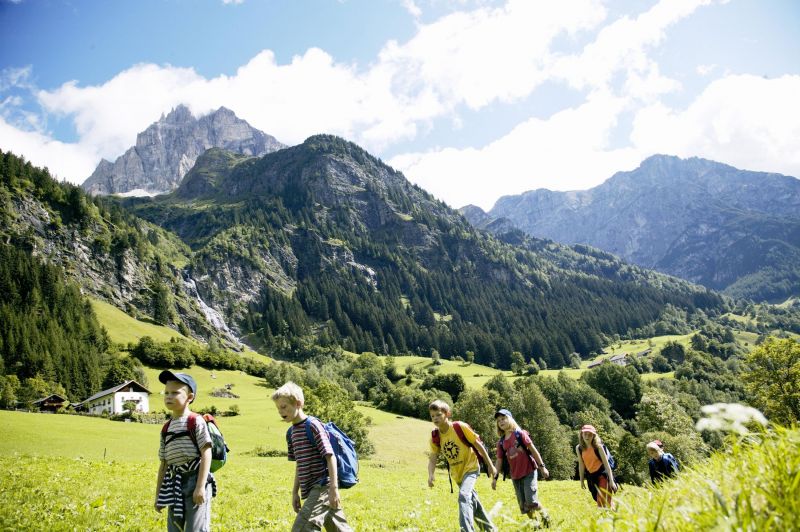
x=168, y=149
x=731, y=230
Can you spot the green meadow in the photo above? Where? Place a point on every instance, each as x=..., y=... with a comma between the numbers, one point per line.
x=123, y=329
x=68, y=472
x=84, y=473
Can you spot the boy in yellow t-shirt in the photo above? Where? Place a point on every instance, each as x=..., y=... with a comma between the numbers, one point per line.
x=463, y=463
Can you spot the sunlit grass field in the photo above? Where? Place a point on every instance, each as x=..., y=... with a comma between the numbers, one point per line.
x=123, y=329
x=79, y=473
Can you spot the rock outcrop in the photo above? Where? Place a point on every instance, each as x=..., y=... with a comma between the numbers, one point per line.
x=169, y=148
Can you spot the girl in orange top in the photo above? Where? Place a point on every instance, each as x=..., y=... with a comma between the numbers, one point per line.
x=593, y=466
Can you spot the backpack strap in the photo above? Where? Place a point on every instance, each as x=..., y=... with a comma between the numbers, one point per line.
x=191, y=425
x=436, y=438
x=309, y=434
x=463, y=437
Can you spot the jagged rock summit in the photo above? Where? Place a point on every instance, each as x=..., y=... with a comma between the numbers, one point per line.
x=169, y=148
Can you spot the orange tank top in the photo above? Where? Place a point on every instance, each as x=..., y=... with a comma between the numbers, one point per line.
x=590, y=460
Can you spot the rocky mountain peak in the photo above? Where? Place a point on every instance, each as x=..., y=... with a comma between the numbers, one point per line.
x=169, y=148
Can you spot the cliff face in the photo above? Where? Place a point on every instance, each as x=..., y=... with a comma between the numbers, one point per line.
x=707, y=222
x=169, y=148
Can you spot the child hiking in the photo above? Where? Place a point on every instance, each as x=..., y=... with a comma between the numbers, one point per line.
x=315, y=478
x=522, y=462
x=459, y=444
x=662, y=465
x=185, y=484
x=593, y=465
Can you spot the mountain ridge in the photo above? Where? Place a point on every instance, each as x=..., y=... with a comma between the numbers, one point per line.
x=694, y=218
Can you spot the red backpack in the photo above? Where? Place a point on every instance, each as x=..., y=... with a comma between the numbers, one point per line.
x=436, y=437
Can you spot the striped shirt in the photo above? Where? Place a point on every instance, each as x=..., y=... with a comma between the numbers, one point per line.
x=310, y=456
x=181, y=449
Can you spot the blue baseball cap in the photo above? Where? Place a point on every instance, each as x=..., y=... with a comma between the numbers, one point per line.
x=503, y=412
x=185, y=378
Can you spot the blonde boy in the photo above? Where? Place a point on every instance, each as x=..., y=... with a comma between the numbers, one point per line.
x=463, y=464
x=315, y=472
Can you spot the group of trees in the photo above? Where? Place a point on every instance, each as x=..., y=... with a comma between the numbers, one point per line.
x=48, y=330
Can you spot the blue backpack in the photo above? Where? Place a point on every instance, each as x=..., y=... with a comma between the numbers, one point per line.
x=611, y=462
x=343, y=449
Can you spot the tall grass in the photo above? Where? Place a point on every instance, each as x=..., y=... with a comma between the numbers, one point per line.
x=753, y=485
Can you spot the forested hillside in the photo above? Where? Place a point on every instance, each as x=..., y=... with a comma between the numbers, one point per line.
x=47, y=329
x=108, y=252
x=323, y=244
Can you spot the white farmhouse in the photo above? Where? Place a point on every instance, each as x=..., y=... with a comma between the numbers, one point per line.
x=112, y=400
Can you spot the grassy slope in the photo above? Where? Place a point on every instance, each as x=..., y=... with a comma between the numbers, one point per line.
x=124, y=329
x=91, y=455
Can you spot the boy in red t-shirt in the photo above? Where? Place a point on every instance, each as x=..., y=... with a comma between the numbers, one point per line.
x=524, y=462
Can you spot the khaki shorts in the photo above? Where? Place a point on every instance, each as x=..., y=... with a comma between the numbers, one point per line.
x=316, y=514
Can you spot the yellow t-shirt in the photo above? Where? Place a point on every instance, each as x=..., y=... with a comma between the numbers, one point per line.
x=461, y=458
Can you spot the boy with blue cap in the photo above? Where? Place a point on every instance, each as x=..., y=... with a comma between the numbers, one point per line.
x=185, y=454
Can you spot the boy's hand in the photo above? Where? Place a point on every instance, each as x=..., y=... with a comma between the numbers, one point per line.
x=494, y=483
x=333, y=497
x=199, y=495
x=296, y=502
x=492, y=470
x=545, y=472
x=157, y=507
x=430, y=481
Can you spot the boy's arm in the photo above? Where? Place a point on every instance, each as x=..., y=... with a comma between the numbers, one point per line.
x=333, y=482
x=296, y=490
x=498, y=463
x=162, y=468
x=199, y=495
x=432, y=459
x=485, y=455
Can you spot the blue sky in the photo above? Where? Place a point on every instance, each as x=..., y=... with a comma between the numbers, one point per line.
x=470, y=99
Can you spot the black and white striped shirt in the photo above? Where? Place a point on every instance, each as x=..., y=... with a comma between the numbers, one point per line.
x=181, y=450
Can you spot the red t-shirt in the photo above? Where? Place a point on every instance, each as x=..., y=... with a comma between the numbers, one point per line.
x=519, y=461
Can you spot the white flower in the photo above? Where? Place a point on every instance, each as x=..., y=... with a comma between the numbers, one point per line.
x=729, y=417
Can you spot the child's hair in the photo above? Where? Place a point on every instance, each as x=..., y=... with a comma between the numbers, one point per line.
x=440, y=406
x=654, y=446
x=511, y=421
x=289, y=391
x=597, y=443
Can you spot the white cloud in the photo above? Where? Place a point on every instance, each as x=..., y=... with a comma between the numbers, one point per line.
x=412, y=8
x=471, y=58
x=705, y=70
x=486, y=55
x=566, y=152
x=107, y=117
x=63, y=159
x=743, y=120
x=622, y=46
